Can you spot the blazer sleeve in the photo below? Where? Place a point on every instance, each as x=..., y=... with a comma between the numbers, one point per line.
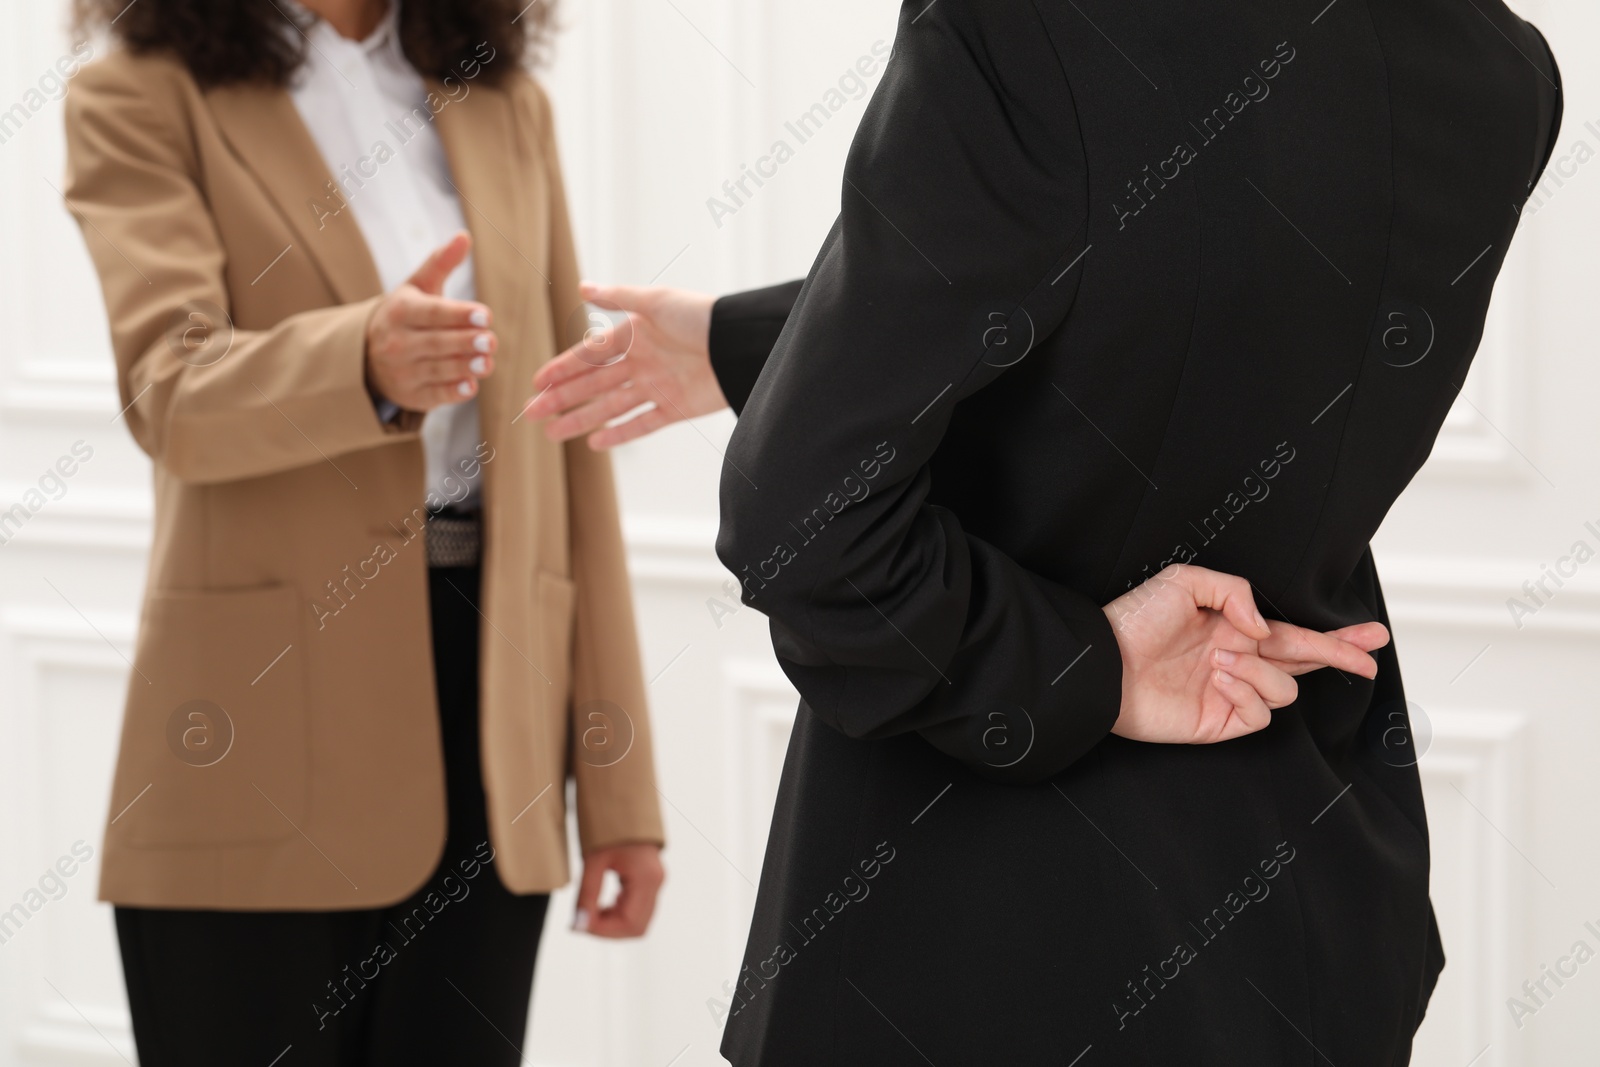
x=276, y=399
x=616, y=796
x=744, y=327
x=963, y=219
x=1552, y=102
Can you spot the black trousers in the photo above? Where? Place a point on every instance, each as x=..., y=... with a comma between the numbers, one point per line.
x=396, y=986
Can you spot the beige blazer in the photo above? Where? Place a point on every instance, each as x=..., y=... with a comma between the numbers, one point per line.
x=280, y=746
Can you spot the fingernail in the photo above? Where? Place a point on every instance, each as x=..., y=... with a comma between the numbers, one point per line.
x=580, y=921
x=480, y=318
x=1225, y=678
x=481, y=342
x=1226, y=658
x=478, y=365
x=1261, y=622
x=465, y=388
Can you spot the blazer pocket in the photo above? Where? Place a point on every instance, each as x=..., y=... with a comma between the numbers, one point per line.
x=217, y=720
x=557, y=599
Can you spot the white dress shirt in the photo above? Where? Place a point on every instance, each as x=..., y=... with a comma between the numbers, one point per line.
x=363, y=102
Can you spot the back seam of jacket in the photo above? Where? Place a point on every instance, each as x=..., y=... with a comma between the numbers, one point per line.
x=1383, y=287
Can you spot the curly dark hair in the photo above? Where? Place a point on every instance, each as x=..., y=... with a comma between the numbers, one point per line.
x=230, y=41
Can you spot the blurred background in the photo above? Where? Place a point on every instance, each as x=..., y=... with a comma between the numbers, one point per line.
x=660, y=102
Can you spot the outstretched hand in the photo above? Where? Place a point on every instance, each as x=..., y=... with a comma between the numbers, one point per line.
x=425, y=351
x=659, y=355
x=1201, y=665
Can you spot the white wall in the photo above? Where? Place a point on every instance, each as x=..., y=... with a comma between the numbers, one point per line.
x=661, y=101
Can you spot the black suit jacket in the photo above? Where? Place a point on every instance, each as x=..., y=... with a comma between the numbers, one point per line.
x=1114, y=285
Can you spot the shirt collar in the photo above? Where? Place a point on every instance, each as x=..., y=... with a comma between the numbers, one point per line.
x=387, y=32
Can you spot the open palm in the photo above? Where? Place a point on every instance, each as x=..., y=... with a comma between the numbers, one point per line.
x=658, y=355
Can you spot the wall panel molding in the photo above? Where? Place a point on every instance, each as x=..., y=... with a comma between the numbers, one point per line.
x=41, y=388
x=36, y=645
x=1471, y=781
x=1471, y=593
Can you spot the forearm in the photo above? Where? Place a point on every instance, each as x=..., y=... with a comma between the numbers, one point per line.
x=1004, y=670
x=276, y=400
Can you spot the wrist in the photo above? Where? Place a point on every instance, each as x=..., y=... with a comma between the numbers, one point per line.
x=1114, y=617
x=387, y=409
x=701, y=308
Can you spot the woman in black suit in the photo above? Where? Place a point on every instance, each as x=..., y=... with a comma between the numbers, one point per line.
x=1117, y=291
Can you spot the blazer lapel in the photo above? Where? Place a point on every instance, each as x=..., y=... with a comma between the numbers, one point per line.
x=267, y=133
x=481, y=143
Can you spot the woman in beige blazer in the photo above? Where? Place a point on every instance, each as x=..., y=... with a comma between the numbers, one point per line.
x=386, y=619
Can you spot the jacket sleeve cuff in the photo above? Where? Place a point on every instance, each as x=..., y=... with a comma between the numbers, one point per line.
x=1069, y=703
x=606, y=819
x=744, y=327
x=1078, y=708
